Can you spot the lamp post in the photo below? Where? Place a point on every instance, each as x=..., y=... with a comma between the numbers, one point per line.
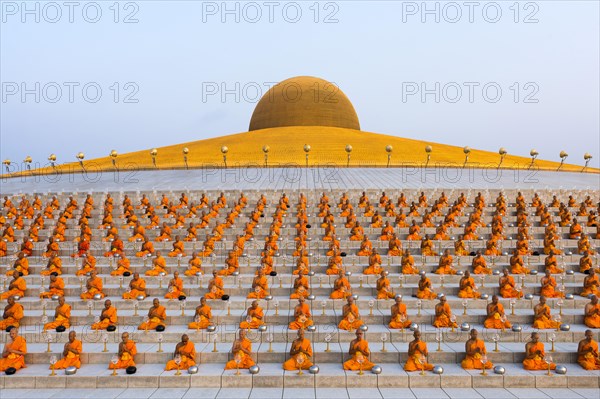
x=587, y=157
x=52, y=159
x=502, y=151
x=563, y=155
x=153, y=154
x=266, y=149
x=80, y=156
x=533, y=153
x=114, y=154
x=306, y=149
x=389, y=149
x=185, y=152
x=348, y=151
x=27, y=162
x=467, y=151
x=428, y=150
x=224, y=151
x=6, y=163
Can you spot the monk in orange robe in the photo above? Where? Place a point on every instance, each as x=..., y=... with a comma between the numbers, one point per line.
x=587, y=352
x=534, y=355
x=408, y=263
x=427, y=247
x=93, y=286
x=254, y=317
x=13, y=354
x=178, y=248
x=241, y=352
x=160, y=266
x=496, y=318
x=413, y=232
x=56, y=287
x=384, y=291
x=399, y=315
x=475, y=351
x=215, y=287
x=202, y=316
x=302, y=316
x=194, y=265
x=443, y=315
x=147, y=249
x=165, y=233
x=424, y=291
x=592, y=313
x=300, y=354
x=517, y=264
x=175, y=287
x=139, y=232
x=137, y=287
x=3, y=248
x=445, y=264
x=71, y=353
x=591, y=283
x=341, y=287
x=20, y=265
x=186, y=351
x=417, y=355
x=480, y=265
x=301, y=287
x=350, y=316
x=374, y=263
x=585, y=263
x=260, y=286
x=16, y=287
x=365, y=247
x=551, y=264
x=575, y=230
x=549, y=287
x=360, y=354
x=54, y=266
x=467, y=287
x=13, y=313
x=51, y=248
x=542, y=318
x=157, y=315
x=62, y=315
x=88, y=263
x=116, y=247
x=108, y=317
x=126, y=353
x=508, y=288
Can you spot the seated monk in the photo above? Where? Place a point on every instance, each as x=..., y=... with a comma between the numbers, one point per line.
x=467, y=288
x=254, y=317
x=194, y=265
x=300, y=354
x=71, y=353
x=425, y=291
x=575, y=231
x=157, y=315
x=192, y=233
x=116, y=248
x=13, y=354
x=459, y=247
x=88, y=263
x=202, y=317
x=54, y=265
x=13, y=313
x=374, y=264
x=137, y=287
x=443, y=315
x=408, y=263
x=517, y=264
x=387, y=232
x=399, y=315
x=508, y=288
x=384, y=291
x=241, y=351
x=496, y=318
x=108, y=317
x=302, y=316
x=413, y=232
x=301, y=287
x=185, y=352
x=56, y=287
x=365, y=247
x=549, y=287
x=146, y=250
x=215, y=287
x=445, y=264
x=480, y=265
x=591, y=313
x=584, y=246
x=3, y=248
x=341, y=287
x=20, y=265
x=587, y=352
x=122, y=266
x=427, y=247
x=334, y=265
x=16, y=287
x=417, y=355
x=360, y=354
x=138, y=233
x=62, y=316
x=178, y=248
x=231, y=264
x=175, y=288
x=93, y=287
x=552, y=264
x=475, y=351
x=260, y=286
x=350, y=316
x=534, y=355
x=165, y=233
x=591, y=283
x=127, y=350
x=160, y=266
x=542, y=318
x=51, y=248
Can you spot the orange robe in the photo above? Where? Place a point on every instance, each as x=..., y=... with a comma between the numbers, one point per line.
x=396, y=322
x=176, y=289
x=71, y=359
x=443, y=320
x=494, y=320
x=413, y=363
x=188, y=356
x=62, y=318
x=549, y=288
x=351, y=322
x=424, y=291
x=157, y=318
x=14, y=360
x=474, y=361
x=467, y=289
x=109, y=317
x=204, y=319
x=177, y=249
x=589, y=361
x=216, y=291
x=194, y=267
x=16, y=314
x=303, y=320
x=362, y=349
x=537, y=362
x=341, y=289
x=480, y=266
x=160, y=265
x=593, y=321
x=126, y=359
x=16, y=287
x=256, y=315
x=545, y=321
x=261, y=288
x=136, y=288
x=55, y=288
x=305, y=351
x=95, y=287
x=245, y=360
x=590, y=286
x=507, y=288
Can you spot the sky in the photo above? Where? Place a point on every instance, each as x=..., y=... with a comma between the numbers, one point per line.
x=97, y=76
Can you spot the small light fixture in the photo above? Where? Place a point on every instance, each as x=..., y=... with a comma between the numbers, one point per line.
x=502, y=151
x=389, y=149
x=114, y=154
x=224, y=151
x=185, y=152
x=266, y=150
x=153, y=154
x=52, y=159
x=563, y=155
x=80, y=156
x=467, y=151
x=587, y=157
x=348, y=151
x=428, y=150
x=306, y=150
x=534, y=154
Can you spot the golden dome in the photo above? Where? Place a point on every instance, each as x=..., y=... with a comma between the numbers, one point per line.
x=304, y=101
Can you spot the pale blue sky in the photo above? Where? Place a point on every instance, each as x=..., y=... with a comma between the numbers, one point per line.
x=371, y=53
